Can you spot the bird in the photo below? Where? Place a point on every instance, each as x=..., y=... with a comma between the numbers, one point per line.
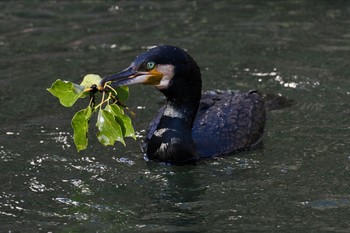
x=192, y=125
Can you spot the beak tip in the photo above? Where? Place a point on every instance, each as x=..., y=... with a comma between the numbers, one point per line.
x=119, y=78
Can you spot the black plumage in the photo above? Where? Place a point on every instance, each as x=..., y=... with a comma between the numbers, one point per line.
x=228, y=121
x=192, y=125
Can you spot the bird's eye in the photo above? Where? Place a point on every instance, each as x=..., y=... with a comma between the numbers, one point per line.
x=150, y=65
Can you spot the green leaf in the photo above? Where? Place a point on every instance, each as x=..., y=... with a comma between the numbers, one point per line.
x=123, y=120
x=66, y=92
x=80, y=124
x=112, y=123
x=123, y=93
x=109, y=130
x=90, y=79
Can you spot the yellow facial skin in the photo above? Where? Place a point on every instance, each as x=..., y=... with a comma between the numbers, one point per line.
x=153, y=77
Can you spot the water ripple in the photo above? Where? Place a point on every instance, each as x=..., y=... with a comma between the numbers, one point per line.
x=9, y=204
x=328, y=203
x=8, y=155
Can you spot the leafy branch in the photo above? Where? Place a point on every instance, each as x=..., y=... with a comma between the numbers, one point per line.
x=112, y=122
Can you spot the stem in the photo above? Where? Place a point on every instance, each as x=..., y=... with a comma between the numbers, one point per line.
x=103, y=100
x=88, y=89
x=132, y=113
x=115, y=92
x=91, y=100
x=108, y=99
x=103, y=96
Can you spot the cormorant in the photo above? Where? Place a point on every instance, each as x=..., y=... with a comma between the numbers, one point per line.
x=192, y=125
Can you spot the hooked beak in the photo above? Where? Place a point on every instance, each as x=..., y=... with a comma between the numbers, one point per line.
x=131, y=76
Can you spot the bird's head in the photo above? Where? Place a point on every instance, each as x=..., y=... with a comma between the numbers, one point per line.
x=165, y=67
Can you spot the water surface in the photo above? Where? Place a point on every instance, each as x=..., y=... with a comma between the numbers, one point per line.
x=299, y=180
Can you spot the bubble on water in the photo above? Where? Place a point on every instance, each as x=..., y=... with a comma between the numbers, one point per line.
x=9, y=203
x=37, y=187
x=8, y=155
x=61, y=137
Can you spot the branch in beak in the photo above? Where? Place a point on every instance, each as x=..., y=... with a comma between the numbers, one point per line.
x=131, y=76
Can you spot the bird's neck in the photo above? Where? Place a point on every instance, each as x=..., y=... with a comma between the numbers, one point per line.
x=172, y=140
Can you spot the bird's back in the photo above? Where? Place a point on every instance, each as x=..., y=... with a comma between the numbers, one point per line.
x=228, y=121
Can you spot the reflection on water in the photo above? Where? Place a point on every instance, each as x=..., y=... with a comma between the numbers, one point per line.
x=328, y=204
x=298, y=181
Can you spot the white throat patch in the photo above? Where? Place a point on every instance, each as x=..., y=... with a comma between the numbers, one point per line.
x=174, y=113
x=168, y=72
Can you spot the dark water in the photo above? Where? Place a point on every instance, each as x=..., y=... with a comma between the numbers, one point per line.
x=299, y=180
